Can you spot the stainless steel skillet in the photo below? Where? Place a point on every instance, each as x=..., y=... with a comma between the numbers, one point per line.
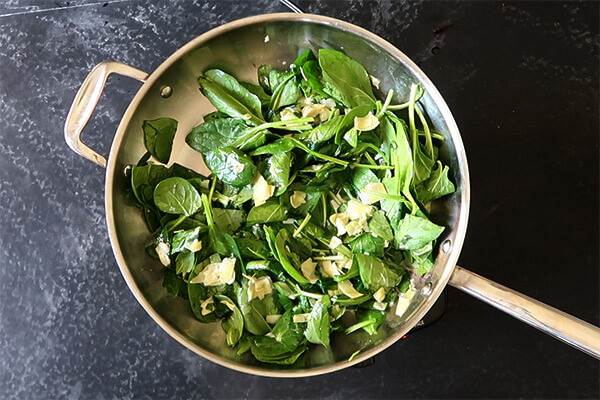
x=275, y=39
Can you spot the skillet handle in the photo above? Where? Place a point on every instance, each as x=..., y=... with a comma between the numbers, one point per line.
x=85, y=103
x=560, y=325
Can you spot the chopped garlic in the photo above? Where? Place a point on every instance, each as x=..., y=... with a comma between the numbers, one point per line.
x=163, y=249
x=379, y=295
x=259, y=287
x=272, y=319
x=404, y=301
x=229, y=304
x=357, y=226
x=347, y=288
x=329, y=103
x=306, y=101
x=329, y=268
x=261, y=190
x=340, y=220
x=246, y=117
x=335, y=242
x=344, y=263
x=300, y=318
x=374, y=81
x=297, y=198
x=312, y=110
x=217, y=273
x=379, y=306
x=308, y=270
x=267, y=38
x=287, y=114
x=204, y=306
x=195, y=246
x=366, y=123
x=357, y=210
x=369, y=198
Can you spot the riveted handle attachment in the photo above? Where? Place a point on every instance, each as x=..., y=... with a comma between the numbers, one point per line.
x=85, y=103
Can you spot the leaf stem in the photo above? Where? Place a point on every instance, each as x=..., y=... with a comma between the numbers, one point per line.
x=279, y=124
x=428, y=141
x=359, y=325
x=386, y=103
x=302, y=225
x=398, y=107
x=211, y=192
x=177, y=222
x=383, y=195
x=356, y=165
x=302, y=146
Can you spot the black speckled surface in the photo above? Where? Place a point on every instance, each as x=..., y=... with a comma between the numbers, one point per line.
x=522, y=82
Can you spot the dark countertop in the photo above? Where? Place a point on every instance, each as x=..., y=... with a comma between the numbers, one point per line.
x=522, y=82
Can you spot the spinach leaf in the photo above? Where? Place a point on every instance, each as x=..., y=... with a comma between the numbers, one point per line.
x=414, y=232
x=312, y=73
x=277, y=171
x=215, y=134
x=234, y=324
x=286, y=345
x=422, y=163
x=184, y=263
x=348, y=120
x=278, y=146
x=438, y=185
x=286, y=90
x=366, y=243
x=375, y=274
x=174, y=284
x=402, y=160
x=198, y=294
x=225, y=245
x=184, y=239
x=227, y=103
x=375, y=316
x=323, y=132
x=263, y=78
x=271, y=211
x=253, y=249
x=214, y=115
x=158, y=137
x=361, y=177
x=239, y=92
x=302, y=59
x=228, y=220
x=421, y=259
x=254, y=320
x=318, y=326
x=231, y=166
x=351, y=137
x=284, y=256
x=380, y=226
x=269, y=350
x=258, y=91
x=177, y=196
x=144, y=179
x=345, y=79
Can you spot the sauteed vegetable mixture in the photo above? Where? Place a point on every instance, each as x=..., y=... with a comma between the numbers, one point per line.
x=314, y=217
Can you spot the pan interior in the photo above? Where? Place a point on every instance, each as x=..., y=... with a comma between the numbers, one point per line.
x=239, y=48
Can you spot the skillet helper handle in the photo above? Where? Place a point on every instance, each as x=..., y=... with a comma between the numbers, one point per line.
x=562, y=326
x=85, y=103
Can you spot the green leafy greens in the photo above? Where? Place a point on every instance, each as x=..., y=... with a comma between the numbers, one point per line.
x=316, y=206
